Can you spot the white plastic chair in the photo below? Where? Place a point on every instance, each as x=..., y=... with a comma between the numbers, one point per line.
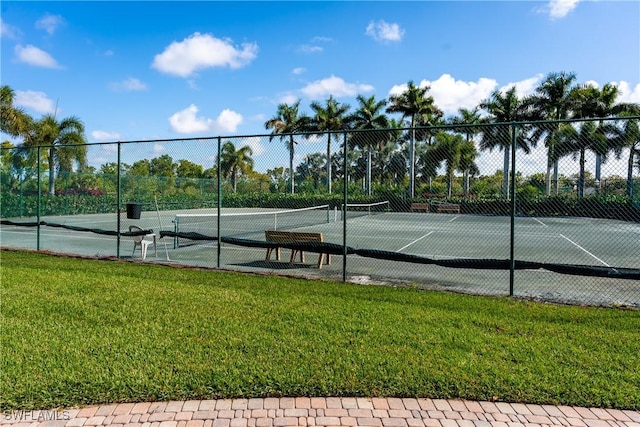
x=142, y=242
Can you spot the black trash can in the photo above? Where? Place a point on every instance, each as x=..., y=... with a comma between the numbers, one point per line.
x=134, y=210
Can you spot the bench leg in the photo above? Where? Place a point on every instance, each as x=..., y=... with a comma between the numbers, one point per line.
x=324, y=257
x=270, y=251
x=294, y=252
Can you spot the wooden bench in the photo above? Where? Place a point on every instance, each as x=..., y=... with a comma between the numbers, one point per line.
x=417, y=207
x=447, y=207
x=279, y=236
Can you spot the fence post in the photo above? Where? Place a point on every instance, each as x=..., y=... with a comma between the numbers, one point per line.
x=66, y=193
x=38, y=201
x=219, y=178
x=118, y=189
x=344, y=210
x=512, y=265
x=21, y=201
x=104, y=193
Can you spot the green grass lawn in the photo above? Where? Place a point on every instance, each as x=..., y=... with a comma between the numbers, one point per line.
x=79, y=331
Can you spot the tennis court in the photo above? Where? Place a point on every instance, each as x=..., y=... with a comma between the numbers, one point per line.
x=573, y=241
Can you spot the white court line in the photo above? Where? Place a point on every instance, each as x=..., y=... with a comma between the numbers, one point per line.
x=586, y=251
x=453, y=219
x=537, y=220
x=415, y=241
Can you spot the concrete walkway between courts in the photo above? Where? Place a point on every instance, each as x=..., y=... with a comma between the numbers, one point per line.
x=320, y=411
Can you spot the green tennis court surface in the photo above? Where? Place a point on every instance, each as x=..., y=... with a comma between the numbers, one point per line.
x=573, y=241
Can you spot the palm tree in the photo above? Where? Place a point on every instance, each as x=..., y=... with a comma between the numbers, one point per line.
x=575, y=140
x=628, y=136
x=552, y=101
x=369, y=117
x=503, y=108
x=329, y=118
x=65, y=142
x=592, y=102
x=448, y=148
x=412, y=103
x=467, y=122
x=467, y=165
x=286, y=123
x=233, y=161
x=13, y=120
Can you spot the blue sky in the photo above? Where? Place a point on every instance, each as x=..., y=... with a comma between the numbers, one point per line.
x=147, y=70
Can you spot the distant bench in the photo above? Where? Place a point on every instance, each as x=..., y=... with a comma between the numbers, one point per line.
x=446, y=207
x=278, y=236
x=417, y=207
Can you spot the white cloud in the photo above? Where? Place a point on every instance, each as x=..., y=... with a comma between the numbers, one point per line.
x=49, y=23
x=524, y=87
x=227, y=122
x=130, y=84
x=450, y=94
x=385, y=32
x=158, y=149
x=626, y=93
x=8, y=31
x=298, y=70
x=201, y=51
x=34, y=56
x=102, y=135
x=288, y=98
x=108, y=52
x=334, y=86
x=560, y=8
x=187, y=121
x=308, y=48
x=37, y=101
x=255, y=144
x=314, y=45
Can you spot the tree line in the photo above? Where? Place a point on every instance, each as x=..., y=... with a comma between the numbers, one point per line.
x=416, y=145
x=433, y=140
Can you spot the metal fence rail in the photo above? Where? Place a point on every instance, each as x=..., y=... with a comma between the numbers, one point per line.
x=547, y=210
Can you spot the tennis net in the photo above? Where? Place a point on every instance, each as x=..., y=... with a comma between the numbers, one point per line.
x=355, y=210
x=247, y=224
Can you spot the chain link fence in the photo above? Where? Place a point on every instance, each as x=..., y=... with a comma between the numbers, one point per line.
x=544, y=210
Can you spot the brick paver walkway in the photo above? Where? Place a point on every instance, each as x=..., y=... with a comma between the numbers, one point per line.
x=320, y=411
